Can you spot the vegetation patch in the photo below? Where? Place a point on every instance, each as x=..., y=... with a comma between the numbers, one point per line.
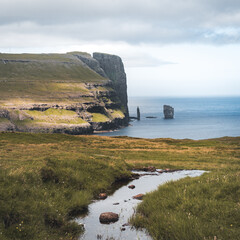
x=52, y=180
x=99, y=117
x=117, y=114
x=57, y=116
x=206, y=207
x=3, y=120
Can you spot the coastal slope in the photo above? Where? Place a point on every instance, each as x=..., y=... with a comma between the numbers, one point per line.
x=62, y=93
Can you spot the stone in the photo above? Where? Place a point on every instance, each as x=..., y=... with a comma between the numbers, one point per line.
x=131, y=186
x=168, y=112
x=138, y=197
x=102, y=195
x=108, y=217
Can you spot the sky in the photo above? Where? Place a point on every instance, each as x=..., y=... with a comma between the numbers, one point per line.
x=169, y=48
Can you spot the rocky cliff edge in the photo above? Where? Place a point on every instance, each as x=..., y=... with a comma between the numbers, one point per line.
x=71, y=93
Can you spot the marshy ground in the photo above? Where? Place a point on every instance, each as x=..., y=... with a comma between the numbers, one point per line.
x=47, y=179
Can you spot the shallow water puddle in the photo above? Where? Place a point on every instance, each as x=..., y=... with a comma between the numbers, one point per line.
x=122, y=203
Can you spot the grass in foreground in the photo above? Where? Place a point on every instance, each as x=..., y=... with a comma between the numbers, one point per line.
x=206, y=207
x=48, y=178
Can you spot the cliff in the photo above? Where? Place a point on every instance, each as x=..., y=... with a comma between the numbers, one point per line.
x=69, y=93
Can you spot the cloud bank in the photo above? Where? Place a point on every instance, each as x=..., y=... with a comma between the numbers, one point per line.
x=133, y=22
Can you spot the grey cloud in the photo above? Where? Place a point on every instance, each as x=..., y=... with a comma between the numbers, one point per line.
x=134, y=21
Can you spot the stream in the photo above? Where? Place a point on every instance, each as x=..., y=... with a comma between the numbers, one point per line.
x=122, y=203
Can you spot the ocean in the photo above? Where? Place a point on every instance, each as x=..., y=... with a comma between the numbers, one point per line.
x=194, y=118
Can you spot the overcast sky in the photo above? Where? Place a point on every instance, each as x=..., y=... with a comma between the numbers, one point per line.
x=169, y=48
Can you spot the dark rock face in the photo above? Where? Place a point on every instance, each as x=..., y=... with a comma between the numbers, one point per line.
x=168, y=112
x=108, y=217
x=114, y=69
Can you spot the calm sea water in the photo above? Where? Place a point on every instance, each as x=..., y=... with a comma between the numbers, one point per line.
x=195, y=118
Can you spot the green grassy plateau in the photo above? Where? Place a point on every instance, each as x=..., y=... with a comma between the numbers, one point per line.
x=44, y=78
x=47, y=179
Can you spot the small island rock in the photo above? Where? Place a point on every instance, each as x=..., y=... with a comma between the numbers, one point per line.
x=168, y=112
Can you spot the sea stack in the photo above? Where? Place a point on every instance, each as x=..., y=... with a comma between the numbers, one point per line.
x=168, y=112
x=138, y=113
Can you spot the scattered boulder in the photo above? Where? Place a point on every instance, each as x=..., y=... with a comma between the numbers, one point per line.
x=102, y=195
x=138, y=197
x=131, y=186
x=168, y=112
x=108, y=217
x=116, y=203
x=123, y=229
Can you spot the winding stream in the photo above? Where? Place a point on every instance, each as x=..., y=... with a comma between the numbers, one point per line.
x=122, y=203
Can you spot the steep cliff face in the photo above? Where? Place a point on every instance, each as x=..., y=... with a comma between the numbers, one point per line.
x=67, y=93
x=114, y=69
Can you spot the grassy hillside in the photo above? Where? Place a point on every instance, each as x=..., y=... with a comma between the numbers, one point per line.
x=43, y=78
x=46, y=179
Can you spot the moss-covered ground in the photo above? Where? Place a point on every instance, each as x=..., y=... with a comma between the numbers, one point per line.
x=99, y=117
x=46, y=179
x=55, y=116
